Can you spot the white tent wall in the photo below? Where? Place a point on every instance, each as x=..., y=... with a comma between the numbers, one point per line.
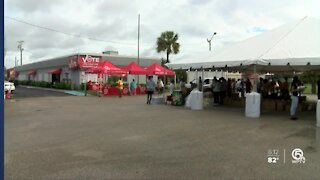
x=92, y=77
x=192, y=75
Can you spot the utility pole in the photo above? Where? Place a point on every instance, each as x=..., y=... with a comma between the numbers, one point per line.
x=21, y=49
x=15, y=61
x=209, y=40
x=138, y=61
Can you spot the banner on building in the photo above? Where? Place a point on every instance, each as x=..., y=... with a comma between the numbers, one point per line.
x=84, y=61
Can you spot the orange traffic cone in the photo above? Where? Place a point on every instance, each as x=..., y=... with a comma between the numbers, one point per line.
x=8, y=95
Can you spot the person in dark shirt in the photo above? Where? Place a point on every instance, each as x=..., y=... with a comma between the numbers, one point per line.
x=319, y=89
x=285, y=89
x=294, y=98
x=200, y=84
x=248, y=86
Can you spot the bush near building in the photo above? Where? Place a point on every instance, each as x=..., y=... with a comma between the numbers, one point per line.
x=60, y=85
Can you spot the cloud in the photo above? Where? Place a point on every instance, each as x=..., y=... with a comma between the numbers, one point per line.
x=113, y=24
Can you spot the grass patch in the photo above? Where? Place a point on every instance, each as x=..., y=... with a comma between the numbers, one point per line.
x=307, y=90
x=91, y=92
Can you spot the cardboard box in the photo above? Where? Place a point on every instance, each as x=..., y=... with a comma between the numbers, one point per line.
x=268, y=104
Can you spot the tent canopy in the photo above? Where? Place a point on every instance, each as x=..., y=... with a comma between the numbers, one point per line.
x=107, y=67
x=292, y=47
x=94, y=70
x=134, y=68
x=156, y=69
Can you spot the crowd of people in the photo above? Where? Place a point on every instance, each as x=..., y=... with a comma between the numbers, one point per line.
x=220, y=88
x=269, y=88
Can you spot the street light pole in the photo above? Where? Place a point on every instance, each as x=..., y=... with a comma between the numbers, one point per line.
x=21, y=49
x=138, y=61
x=209, y=40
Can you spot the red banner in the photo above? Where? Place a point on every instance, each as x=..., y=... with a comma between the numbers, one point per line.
x=114, y=91
x=73, y=62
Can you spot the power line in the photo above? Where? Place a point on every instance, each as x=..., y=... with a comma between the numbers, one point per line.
x=65, y=33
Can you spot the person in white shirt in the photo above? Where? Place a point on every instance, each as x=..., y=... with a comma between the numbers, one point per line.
x=171, y=87
x=161, y=86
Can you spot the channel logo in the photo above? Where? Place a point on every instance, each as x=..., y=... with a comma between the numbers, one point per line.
x=297, y=155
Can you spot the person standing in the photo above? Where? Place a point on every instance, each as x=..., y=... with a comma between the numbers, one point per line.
x=171, y=87
x=319, y=89
x=101, y=88
x=229, y=87
x=285, y=89
x=161, y=86
x=216, y=91
x=133, y=87
x=150, y=89
x=223, y=90
x=120, y=87
x=200, y=84
x=248, y=86
x=294, y=98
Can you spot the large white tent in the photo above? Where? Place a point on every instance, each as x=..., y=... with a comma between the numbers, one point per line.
x=292, y=47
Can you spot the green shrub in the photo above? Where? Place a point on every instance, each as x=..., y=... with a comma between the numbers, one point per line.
x=23, y=82
x=68, y=86
x=82, y=86
x=61, y=85
x=31, y=83
x=43, y=84
x=37, y=83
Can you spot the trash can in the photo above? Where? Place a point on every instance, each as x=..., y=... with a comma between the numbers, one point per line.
x=196, y=100
x=253, y=101
x=177, y=98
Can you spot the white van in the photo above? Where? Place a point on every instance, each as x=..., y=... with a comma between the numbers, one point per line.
x=9, y=86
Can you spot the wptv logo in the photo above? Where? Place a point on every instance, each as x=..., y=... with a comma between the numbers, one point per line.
x=274, y=156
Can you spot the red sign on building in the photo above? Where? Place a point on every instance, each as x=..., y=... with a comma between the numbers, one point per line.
x=73, y=62
x=84, y=62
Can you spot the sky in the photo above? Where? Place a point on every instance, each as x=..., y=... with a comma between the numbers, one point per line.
x=57, y=28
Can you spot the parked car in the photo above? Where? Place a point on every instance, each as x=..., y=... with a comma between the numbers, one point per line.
x=207, y=82
x=9, y=86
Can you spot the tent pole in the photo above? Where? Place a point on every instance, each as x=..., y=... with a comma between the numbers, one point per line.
x=255, y=80
x=85, y=84
x=197, y=80
x=202, y=79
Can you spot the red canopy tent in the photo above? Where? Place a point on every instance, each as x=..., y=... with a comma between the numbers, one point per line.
x=134, y=68
x=170, y=72
x=107, y=67
x=156, y=69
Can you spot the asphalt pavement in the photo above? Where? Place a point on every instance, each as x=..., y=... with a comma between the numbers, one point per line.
x=32, y=92
x=50, y=135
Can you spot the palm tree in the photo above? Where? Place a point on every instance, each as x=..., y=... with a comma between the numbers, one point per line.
x=167, y=42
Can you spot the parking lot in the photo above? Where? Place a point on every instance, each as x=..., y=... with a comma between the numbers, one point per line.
x=55, y=136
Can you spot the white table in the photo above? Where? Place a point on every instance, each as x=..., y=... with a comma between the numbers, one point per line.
x=196, y=100
x=157, y=100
